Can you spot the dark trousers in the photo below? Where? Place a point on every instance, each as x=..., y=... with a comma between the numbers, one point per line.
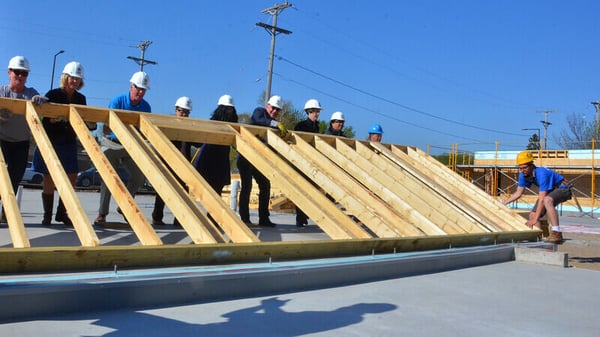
x=15, y=154
x=247, y=172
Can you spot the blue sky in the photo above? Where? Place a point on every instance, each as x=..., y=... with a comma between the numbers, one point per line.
x=436, y=73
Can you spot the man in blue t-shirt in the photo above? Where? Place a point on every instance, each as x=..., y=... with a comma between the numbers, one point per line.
x=112, y=148
x=553, y=190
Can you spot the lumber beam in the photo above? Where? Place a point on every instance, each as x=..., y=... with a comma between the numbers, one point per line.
x=406, y=188
x=65, y=189
x=423, y=223
x=454, y=197
x=367, y=207
x=198, y=187
x=475, y=195
x=323, y=212
x=16, y=227
x=164, y=183
x=62, y=259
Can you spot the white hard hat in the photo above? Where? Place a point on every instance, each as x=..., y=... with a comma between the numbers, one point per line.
x=275, y=101
x=140, y=80
x=74, y=69
x=339, y=116
x=226, y=100
x=184, y=102
x=312, y=104
x=18, y=62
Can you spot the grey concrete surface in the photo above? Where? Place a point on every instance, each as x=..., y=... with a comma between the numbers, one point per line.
x=507, y=299
x=502, y=299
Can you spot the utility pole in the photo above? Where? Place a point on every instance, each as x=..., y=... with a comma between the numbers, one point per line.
x=142, y=61
x=273, y=30
x=545, y=123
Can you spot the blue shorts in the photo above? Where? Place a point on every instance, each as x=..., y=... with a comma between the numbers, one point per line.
x=67, y=154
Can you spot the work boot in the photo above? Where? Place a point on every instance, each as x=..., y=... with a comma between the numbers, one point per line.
x=61, y=214
x=555, y=237
x=48, y=203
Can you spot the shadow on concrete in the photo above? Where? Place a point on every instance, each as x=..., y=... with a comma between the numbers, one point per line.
x=266, y=319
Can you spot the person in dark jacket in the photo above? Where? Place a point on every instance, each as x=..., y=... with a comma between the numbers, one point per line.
x=313, y=108
x=263, y=116
x=63, y=139
x=212, y=160
x=336, y=124
x=183, y=108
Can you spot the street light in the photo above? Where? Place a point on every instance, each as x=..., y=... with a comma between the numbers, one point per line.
x=53, y=66
x=539, y=135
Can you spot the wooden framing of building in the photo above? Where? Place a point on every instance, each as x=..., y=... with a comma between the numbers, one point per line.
x=395, y=198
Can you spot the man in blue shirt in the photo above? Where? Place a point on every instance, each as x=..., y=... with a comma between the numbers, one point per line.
x=112, y=148
x=553, y=190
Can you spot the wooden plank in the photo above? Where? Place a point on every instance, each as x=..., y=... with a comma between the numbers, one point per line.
x=470, y=191
x=107, y=257
x=143, y=230
x=16, y=227
x=323, y=212
x=402, y=185
x=187, y=129
x=455, y=197
x=201, y=190
x=165, y=184
x=466, y=217
x=402, y=207
x=65, y=189
x=366, y=206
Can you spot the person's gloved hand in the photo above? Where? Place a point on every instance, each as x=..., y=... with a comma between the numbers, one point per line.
x=38, y=99
x=282, y=129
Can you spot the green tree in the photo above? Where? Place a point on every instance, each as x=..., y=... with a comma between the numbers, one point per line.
x=534, y=142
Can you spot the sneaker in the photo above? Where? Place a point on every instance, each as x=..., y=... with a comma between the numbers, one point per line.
x=555, y=237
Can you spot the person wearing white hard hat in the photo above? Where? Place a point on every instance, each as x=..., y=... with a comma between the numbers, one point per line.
x=183, y=108
x=14, y=130
x=263, y=116
x=112, y=148
x=313, y=108
x=63, y=139
x=212, y=160
x=336, y=124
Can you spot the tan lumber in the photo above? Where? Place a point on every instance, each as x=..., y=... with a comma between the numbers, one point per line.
x=358, y=200
x=472, y=192
x=199, y=188
x=322, y=211
x=455, y=196
x=110, y=257
x=468, y=218
x=403, y=186
x=65, y=189
x=401, y=206
x=16, y=227
x=165, y=184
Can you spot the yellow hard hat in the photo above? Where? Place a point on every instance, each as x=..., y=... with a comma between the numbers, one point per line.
x=524, y=157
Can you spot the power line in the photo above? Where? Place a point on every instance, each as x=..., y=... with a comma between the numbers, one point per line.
x=393, y=102
x=376, y=112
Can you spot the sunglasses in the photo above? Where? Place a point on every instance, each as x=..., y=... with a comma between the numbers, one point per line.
x=138, y=88
x=23, y=73
x=183, y=111
x=338, y=121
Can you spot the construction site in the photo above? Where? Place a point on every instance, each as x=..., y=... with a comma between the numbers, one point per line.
x=378, y=212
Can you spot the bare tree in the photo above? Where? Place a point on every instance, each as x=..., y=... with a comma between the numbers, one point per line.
x=579, y=133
